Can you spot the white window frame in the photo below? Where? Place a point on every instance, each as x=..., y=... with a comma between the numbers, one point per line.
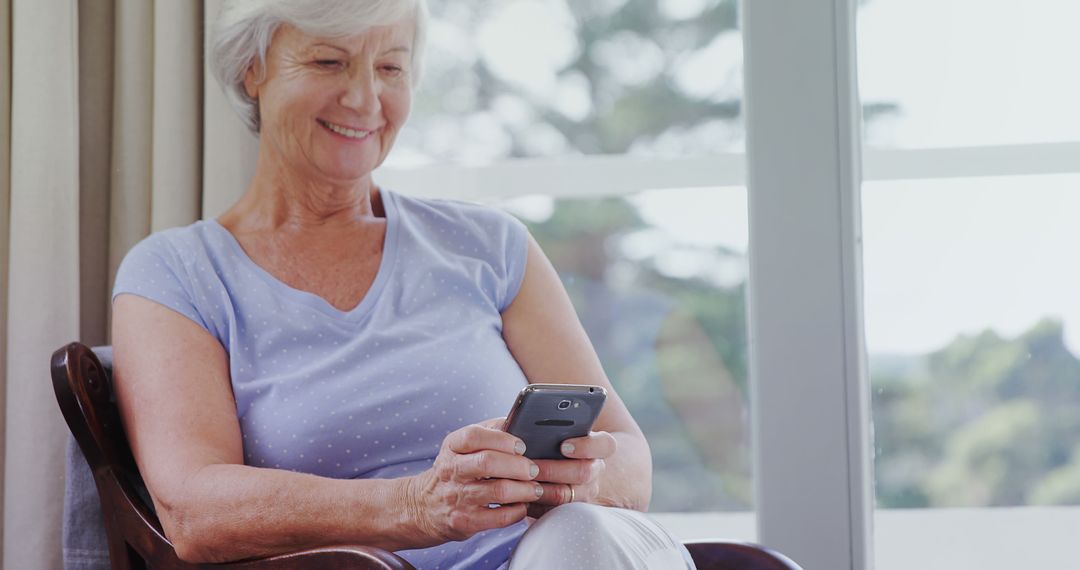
x=810, y=401
x=605, y=175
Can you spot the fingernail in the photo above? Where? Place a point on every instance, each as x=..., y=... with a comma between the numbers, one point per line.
x=539, y=491
x=519, y=448
x=534, y=470
x=567, y=448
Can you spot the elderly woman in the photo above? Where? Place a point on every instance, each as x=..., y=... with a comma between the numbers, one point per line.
x=325, y=363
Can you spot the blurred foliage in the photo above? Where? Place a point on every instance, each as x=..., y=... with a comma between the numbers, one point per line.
x=467, y=111
x=1060, y=486
x=985, y=421
x=620, y=113
x=674, y=348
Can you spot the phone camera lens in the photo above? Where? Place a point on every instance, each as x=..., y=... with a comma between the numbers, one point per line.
x=564, y=404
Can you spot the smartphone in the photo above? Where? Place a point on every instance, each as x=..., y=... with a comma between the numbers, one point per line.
x=544, y=415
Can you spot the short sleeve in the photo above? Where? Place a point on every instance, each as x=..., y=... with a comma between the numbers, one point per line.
x=485, y=247
x=153, y=270
x=517, y=256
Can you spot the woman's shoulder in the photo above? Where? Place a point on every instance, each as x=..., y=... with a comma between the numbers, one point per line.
x=447, y=212
x=172, y=251
x=468, y=233
x=162, y=268
x=176, y=242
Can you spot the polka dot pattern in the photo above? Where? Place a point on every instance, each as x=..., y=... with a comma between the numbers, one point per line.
x=370, y=392
x=591, y=536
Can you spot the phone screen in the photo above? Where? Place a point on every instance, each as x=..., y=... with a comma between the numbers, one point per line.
x=545, y=415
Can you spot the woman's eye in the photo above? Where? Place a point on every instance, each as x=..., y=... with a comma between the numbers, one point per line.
x=393, y=71
x=329, y=63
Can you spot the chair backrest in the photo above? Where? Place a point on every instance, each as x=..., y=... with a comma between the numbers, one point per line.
x=83, y=387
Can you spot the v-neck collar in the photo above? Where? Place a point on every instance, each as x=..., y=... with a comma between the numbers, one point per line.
x=386, y=267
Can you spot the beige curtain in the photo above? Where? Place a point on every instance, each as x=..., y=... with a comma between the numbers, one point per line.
x=110, y=128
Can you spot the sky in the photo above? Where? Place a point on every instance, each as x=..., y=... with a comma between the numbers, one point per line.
x=972, y=72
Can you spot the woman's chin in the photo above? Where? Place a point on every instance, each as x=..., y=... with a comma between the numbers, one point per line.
x=350, y=172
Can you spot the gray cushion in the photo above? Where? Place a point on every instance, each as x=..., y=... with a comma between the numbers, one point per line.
x=85, y=544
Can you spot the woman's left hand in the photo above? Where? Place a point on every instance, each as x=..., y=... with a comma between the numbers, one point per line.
x=577, y=478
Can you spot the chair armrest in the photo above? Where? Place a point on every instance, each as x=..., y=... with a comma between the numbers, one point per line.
x=332, y=558
x=329, y=558
x=731, y=555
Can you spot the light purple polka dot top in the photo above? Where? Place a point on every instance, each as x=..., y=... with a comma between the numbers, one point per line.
x=370, y=392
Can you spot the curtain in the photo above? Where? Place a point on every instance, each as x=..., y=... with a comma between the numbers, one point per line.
x=110, y=128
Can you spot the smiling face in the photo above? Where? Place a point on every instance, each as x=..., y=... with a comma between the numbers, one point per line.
x=331, y=108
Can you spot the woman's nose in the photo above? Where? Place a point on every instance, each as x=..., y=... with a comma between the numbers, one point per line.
x=361, y=94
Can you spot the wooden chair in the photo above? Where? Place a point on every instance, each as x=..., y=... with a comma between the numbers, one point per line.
x=83, y=388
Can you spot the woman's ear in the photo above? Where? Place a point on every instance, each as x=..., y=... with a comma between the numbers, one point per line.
x=251, y=80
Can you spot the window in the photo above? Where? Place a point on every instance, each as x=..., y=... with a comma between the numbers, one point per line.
x=960, y=73
x=661, y=295
x=971, y=137
x=556, y=78
x=972, y=321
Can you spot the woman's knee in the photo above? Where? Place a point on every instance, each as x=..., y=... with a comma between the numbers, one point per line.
x=577, y=516
x=581, y=535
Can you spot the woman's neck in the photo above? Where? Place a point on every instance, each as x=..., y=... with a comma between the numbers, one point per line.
x=280, y=198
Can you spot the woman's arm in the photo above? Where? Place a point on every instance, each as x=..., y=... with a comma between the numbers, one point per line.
x=175, y=397
x=547, y=340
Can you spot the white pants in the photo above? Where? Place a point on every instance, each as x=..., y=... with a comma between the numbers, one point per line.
x=580, y=536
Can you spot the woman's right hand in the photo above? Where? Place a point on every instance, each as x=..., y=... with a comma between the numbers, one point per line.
x=477, y=467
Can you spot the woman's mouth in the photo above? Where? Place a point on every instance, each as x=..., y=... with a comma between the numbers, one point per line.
x=344, y=131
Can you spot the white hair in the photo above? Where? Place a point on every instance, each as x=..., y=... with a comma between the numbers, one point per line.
x=244, y=28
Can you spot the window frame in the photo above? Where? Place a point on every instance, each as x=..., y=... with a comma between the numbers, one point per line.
x=606, y=175
x=814, y=487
